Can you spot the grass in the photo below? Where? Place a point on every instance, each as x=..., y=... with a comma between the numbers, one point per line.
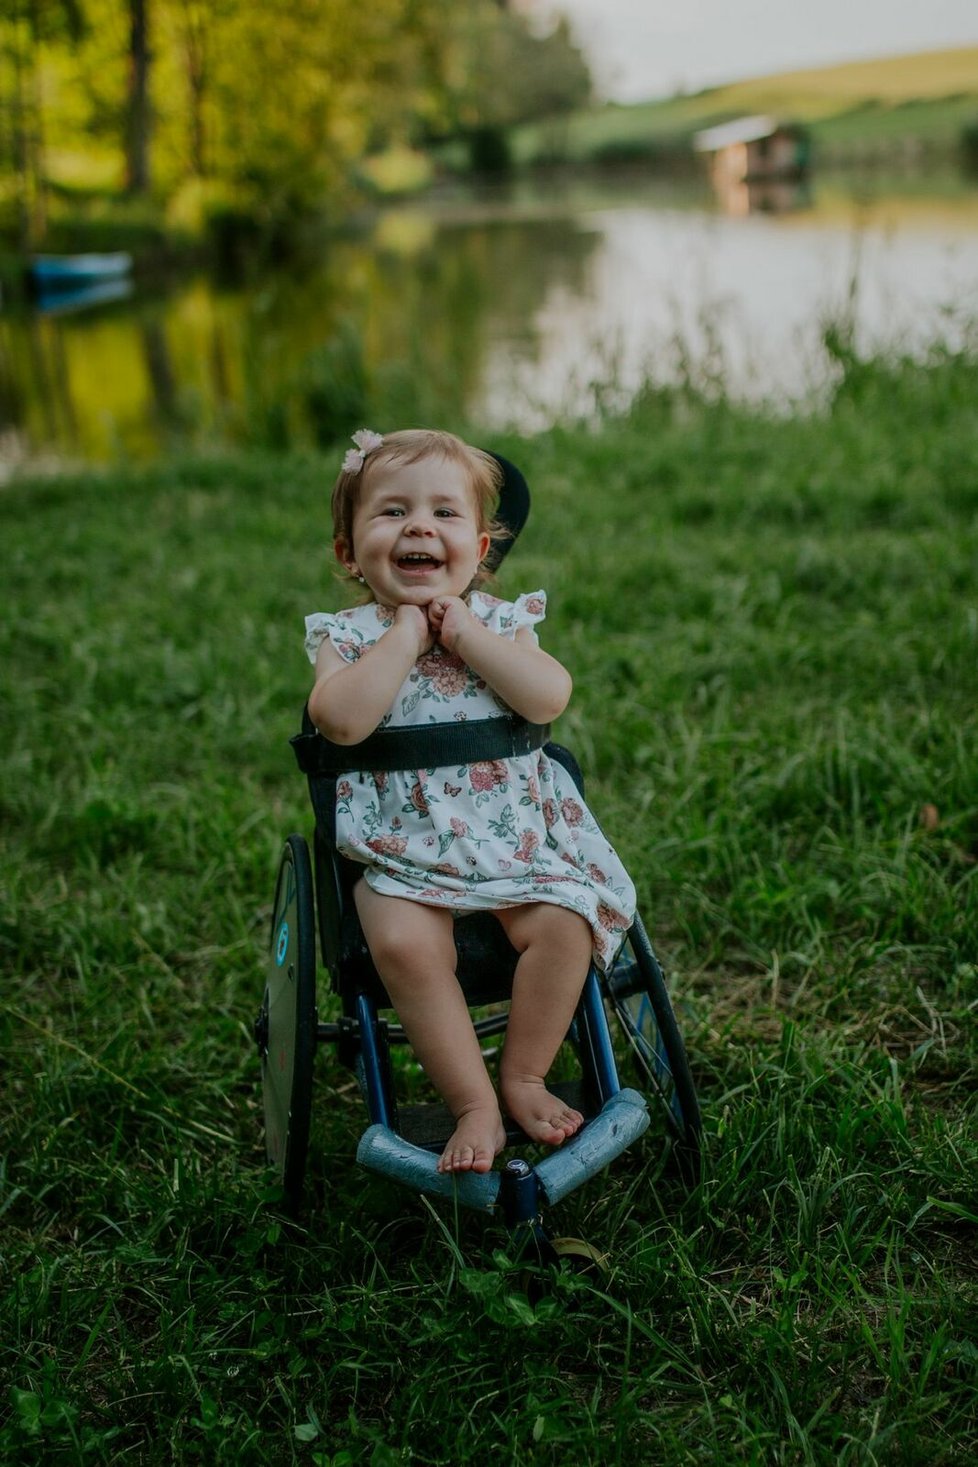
x=772, y=625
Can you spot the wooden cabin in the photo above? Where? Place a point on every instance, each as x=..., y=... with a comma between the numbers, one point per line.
x=754, y=150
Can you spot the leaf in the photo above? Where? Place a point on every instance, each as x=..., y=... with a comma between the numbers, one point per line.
x=28, y=1404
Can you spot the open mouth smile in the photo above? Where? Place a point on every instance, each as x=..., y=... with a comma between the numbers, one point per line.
x=418, y=561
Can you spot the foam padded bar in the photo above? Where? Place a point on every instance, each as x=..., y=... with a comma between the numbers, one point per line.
x=382, y=1151
x=621, y=1120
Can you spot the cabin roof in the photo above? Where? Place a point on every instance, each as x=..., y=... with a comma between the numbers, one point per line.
x=741, y=130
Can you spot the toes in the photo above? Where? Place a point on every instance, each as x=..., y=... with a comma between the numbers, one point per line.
x=459, y=1159
x=467, y=1159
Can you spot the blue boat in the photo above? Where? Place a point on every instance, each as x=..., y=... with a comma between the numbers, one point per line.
x=67, y=272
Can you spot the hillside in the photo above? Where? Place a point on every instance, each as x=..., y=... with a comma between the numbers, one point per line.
x=925, y=100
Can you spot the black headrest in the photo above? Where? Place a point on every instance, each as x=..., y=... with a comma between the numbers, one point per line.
x=514, y=507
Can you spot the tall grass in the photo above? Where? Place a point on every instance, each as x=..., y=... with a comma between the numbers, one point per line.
x=772, y=624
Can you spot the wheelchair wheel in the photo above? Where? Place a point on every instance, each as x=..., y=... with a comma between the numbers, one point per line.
x=286, y=1026
x=636, y=990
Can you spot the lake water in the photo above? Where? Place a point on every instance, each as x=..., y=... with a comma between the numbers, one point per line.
x=507, y=308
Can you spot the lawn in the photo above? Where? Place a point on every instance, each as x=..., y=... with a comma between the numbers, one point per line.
x=772, y=622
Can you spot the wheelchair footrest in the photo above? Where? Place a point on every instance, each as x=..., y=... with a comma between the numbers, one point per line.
x=620, y=1122
x=431, y=1125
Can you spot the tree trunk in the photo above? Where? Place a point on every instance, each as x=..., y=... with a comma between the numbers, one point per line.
x=139, y=119
x=22, y=106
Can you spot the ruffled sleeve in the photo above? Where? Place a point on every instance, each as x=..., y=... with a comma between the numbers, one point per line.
x=507, y=617
x=346, y=637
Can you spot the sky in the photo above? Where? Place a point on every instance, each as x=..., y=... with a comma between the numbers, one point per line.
x=640, y=49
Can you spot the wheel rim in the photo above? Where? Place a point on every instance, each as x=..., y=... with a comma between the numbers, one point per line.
x=286, y=1027
x=637, y=992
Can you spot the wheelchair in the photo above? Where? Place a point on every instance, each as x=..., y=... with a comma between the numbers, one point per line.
x=314, y=909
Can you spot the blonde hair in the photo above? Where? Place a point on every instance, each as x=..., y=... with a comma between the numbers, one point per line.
x=409, y=446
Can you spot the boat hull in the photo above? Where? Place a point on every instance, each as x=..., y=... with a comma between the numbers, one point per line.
x=67, y=272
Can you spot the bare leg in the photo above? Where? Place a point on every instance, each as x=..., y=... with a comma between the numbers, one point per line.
x=413, y=948
x=555, y=953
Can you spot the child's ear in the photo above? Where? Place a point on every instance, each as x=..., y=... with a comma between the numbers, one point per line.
x=485, y=540
x=343, y=551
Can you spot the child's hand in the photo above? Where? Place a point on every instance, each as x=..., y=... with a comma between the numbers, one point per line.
x=415, y=622
x=448, y=616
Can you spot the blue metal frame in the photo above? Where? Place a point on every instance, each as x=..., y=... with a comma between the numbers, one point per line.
x=373, y=1071
x=520, y=1190
x=594, y=1040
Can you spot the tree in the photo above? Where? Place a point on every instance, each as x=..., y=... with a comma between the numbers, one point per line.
x=139, y=116
x=497, y=72
x=25, y=28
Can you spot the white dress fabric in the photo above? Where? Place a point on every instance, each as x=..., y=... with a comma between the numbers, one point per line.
x=475, y=837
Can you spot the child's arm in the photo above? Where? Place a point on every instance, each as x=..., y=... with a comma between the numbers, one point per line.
x=349, y=699
x=533, y=683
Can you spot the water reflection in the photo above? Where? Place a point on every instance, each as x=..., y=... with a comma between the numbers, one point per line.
x=82, y=297
x=501, y=311
x=742, y=196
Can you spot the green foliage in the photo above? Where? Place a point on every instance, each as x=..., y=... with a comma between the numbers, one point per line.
x=772, y=627
x=273, y=106
x=335, y=385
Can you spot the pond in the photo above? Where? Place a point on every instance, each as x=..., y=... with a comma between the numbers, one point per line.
x=504, y=308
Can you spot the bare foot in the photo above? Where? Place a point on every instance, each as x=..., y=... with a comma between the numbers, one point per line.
x=543, y=1116
x=477, y=1139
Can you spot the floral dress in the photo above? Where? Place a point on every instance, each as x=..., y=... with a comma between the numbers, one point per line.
x=475, y=837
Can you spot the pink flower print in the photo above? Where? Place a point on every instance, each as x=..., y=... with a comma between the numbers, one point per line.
x=385, y=614
x=529, y=841
x=596, y=874
x=445, y=868
x=459, y=827
x=388, y=845
x=533, y=789
x=445, y=671
x=344, y=789
x=380, y=780
x=535, y=605
x=550, y=813
x=571, y=811
x=486, y=776
x=350, y=651
x=418, y=800
x=611, y=920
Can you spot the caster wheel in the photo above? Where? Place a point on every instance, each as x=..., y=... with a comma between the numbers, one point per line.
x=563, y=1255
x=580, y=1257
x=286, y=1027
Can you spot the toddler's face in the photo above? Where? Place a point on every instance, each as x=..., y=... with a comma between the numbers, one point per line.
x=416, y=534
